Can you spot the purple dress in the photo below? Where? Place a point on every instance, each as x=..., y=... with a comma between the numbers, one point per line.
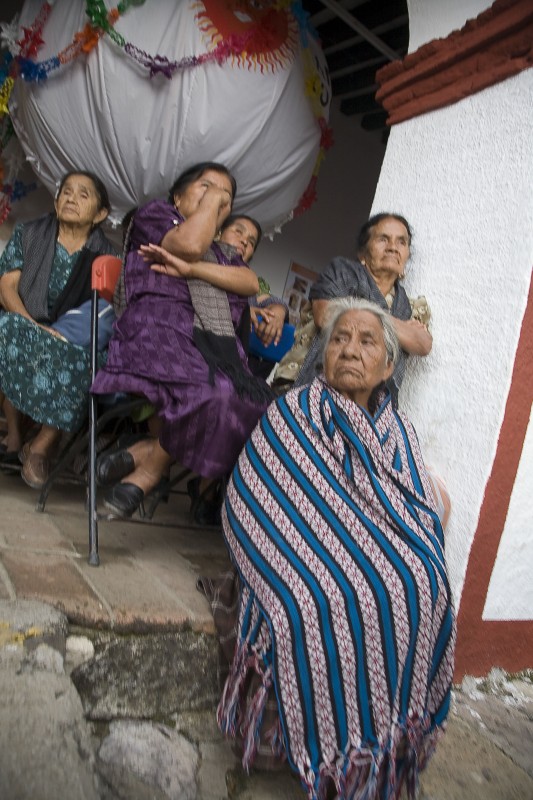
x=152, y=353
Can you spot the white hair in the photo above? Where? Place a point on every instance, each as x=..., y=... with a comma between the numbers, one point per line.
x=336, y=308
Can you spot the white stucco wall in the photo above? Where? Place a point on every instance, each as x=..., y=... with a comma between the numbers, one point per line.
x=462, y=176
x=435, y=19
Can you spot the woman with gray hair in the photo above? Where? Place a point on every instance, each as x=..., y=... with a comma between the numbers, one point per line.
x=345, y=638
x=338, y=307
x=383, y=250
x=45, y=290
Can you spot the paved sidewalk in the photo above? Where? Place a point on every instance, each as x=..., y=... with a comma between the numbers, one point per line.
x=145, y=584
x=147, y=571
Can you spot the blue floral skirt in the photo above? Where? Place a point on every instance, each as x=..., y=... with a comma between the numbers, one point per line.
x=43, y=376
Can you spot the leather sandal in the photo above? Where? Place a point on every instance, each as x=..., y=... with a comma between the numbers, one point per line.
x=112, y=467
x=124, y=499
x=35, y=470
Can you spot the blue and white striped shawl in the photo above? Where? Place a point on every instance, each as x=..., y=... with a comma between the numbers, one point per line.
x=345, y=607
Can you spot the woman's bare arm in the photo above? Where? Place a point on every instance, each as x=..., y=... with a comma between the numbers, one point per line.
x=239, y=280
x=9, y=295
x=191, y=238
x=413, y=336
x=320, y=309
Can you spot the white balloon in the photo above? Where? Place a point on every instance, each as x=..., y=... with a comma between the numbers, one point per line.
x=103, y=112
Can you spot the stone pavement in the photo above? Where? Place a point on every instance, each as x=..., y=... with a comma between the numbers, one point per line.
x=108, y=674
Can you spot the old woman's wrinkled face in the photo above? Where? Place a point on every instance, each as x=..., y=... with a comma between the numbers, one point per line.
x=78, y=202
x=356, y=360
x=387, y=249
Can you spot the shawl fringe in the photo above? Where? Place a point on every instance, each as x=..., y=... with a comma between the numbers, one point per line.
x=251, y=725
x=231, y=700
x=220, y=352
x=360, y=774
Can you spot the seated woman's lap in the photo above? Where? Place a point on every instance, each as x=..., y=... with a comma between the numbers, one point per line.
x=43, y=376
x=206, y=430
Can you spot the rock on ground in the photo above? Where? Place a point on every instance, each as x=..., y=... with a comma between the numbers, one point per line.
x=154, y=755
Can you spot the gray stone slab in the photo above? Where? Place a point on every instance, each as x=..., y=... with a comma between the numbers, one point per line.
x=45, y=746
x=31, y=623
x=503, y=711
x=147, y=677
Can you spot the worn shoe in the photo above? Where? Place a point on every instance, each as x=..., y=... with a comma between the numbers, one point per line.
x=35, y=470
x=112, y=467
x=124, y=499
x=24, y=452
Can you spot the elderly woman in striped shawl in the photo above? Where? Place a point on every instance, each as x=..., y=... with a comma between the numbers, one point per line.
x=345, y=623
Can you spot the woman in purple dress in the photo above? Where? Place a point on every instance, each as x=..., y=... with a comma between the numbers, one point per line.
x=175, y=342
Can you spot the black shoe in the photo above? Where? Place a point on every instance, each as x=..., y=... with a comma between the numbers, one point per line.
x=124, y=499
x=112, y=467
x=208, y=512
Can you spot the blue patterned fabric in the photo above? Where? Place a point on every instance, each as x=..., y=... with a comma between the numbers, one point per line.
x=345, y=606
x=43, y=376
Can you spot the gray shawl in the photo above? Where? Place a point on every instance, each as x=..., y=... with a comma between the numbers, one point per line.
x=39, y=239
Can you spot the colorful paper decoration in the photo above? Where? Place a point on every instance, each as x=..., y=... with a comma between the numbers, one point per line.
x=264, y=40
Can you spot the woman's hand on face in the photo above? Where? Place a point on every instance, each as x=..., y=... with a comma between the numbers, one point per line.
x=165, y=262
x=223, y=196
x=270, y=327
